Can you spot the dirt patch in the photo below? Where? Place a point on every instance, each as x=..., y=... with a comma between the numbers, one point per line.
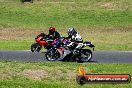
x=43, y=74
x=56, y=72
x=27, y=34
x=35, y=74
x=18, y=34
x=71, y=74
x=106, y=30
x=4, y=76
x=107, y=5
x=22, y=34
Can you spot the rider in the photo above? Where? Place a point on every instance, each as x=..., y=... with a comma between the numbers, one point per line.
x=54, y=35
x=75, y=38
x=76, y=42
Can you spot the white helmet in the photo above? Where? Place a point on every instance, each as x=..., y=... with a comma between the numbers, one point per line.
x=71, y=31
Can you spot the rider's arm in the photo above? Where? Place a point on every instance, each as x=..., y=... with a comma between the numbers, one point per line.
x=56, y=35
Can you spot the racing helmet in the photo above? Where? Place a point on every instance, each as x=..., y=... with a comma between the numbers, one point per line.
x=71, y=31
x=51, y=30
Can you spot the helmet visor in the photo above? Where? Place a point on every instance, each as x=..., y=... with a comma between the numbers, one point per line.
x=51, y=32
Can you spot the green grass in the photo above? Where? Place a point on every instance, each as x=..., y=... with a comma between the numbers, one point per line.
x=15, y=45
x=95, y=18
x=50, y=74
x=62, y=15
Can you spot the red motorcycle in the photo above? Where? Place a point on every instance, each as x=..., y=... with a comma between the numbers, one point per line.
x=41, y=40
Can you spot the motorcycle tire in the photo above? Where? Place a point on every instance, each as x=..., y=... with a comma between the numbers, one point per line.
x=52, y=55
x=86, y=55
x=35, y=47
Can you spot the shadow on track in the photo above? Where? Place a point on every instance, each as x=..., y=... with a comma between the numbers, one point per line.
x=92, y=61
x=80, y=62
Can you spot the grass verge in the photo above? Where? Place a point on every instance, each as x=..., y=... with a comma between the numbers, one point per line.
x=56, y=75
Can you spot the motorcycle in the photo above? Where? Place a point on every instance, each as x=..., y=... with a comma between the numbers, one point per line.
x=41, y=40
x=68, y=52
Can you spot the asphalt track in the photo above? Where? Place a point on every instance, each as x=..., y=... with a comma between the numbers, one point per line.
x=98, y=56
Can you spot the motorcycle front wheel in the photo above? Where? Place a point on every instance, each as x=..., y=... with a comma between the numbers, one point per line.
x=52, y=55
x=35, y=47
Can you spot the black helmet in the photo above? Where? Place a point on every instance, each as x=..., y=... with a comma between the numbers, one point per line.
x=71, y=31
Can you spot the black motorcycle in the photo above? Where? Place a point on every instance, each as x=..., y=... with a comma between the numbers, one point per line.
x=68, y=53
